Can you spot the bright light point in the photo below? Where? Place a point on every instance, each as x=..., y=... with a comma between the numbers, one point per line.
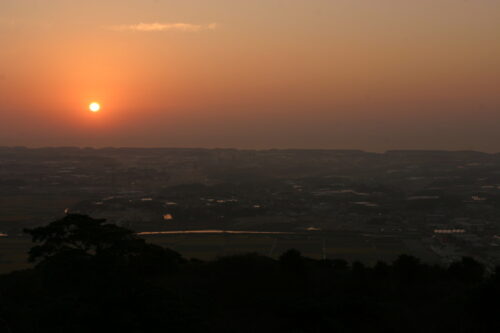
x=94, y=107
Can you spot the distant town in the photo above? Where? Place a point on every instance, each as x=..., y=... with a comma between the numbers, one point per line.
x=350, y=204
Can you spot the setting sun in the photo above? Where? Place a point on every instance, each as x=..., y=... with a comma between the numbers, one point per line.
x=94, y=107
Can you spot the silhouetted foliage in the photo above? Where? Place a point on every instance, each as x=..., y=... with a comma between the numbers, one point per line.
x=92, y=276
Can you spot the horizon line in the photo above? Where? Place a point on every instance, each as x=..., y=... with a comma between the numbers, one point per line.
x=249, y=149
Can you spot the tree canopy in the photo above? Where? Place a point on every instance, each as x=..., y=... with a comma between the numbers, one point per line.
x=94, y=276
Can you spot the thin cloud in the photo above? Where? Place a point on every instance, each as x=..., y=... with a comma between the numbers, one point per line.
x=158, y=27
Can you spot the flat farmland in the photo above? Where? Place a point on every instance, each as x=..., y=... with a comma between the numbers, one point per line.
x=15, y=209
x=14, y=254
x=331, y=245
x=208, y=247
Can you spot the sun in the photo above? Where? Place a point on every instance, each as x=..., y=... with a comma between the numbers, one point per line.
x=94, y=107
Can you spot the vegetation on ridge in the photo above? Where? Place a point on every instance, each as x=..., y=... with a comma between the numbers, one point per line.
x=91, y=276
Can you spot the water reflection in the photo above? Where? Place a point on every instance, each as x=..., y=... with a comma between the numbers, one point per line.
x=212, y=231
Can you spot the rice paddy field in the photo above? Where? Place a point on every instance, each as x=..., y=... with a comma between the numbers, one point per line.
x=24, y=209
x=319, y=245
x=14, y=254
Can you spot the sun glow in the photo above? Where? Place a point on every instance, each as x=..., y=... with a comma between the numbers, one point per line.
x=94, y=107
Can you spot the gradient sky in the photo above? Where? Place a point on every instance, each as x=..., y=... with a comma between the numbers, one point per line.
x=365, y=74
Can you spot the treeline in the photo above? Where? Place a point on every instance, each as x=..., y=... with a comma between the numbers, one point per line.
x=91, y=277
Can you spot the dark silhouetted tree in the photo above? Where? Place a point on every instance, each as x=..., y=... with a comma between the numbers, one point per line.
x=467, y=270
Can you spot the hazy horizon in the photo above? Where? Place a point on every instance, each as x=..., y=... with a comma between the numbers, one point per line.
x=369, y=75
x=249, y=149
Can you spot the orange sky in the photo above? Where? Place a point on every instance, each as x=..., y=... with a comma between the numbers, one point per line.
x=374, y=75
